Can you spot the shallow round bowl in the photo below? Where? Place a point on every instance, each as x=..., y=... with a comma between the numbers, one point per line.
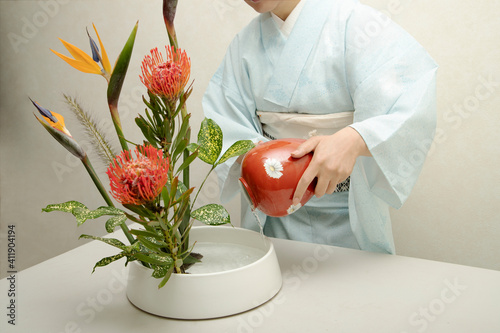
x=210, y=295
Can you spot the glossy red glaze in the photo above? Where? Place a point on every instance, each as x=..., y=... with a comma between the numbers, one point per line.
x=274, y=195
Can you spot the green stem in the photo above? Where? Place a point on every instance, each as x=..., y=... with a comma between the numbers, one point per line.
x=185, y=179
x=173, y=41
x=172, y=37
x=96, y=180
x=201, y=186
x=118, y=126
x=171, y=246
x=100, y=187
x=185, y=172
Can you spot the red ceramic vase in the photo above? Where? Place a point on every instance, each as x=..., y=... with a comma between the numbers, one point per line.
x=269, y=176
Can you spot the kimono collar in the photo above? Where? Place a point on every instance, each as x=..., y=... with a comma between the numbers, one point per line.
x=294, y=51
x=287, y=25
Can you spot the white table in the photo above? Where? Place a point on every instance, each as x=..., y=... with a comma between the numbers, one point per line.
x=326, y=289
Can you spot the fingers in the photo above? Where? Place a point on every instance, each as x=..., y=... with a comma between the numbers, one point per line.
x=325, y=185
x=310, y=173
x=306, y=179
x=332, y=186
x=326, y=182
x=306, y=147
x=321, y=187
x=330, y=164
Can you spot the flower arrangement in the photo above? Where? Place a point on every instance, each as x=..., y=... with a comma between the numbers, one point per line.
x=151, y=181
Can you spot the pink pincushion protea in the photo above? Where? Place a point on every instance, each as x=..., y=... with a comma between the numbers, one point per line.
x=138, y=181
x=166, y=78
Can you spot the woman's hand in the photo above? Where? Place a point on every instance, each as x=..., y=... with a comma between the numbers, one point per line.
x=332, y=162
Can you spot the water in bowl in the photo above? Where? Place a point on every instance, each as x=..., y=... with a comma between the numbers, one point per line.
x=220, y=257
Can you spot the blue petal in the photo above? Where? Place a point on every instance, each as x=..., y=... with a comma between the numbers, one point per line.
x=44, y=112
x=95, y=49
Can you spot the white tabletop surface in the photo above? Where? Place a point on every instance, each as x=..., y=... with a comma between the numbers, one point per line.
x=326, y=289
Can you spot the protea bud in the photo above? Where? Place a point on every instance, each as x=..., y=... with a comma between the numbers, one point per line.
x=166, y=78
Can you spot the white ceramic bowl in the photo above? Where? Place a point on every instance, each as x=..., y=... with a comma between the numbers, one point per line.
x=210, y=295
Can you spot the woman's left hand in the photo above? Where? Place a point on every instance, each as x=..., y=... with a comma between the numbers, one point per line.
x=332, y=162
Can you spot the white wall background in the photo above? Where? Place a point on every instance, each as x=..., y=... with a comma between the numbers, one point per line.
x=452, y=215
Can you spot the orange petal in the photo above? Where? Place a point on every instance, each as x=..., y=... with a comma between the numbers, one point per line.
x=79, y=54
x=59, y=125
x=92, y=68
x=105, y=60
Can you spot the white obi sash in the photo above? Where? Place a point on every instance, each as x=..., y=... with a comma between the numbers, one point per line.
x=280, y=125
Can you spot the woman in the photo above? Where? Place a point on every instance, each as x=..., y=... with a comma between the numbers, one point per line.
x=358, y=85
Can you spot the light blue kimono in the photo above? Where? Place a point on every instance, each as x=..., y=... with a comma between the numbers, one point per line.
x=340, y=56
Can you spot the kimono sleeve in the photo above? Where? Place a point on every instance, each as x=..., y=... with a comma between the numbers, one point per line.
x=392, y=83
x=229, y=102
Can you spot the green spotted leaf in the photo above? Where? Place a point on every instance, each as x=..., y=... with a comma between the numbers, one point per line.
x=164, y=258
x=192, y=147
x=110, y=241
x=64, y=207
x=81, y=212
x=209, y=141
x=166, y=277
x=238, y=148
x=108, y=260
x=155, y=259
x=211, y=214
x=106, y=210
x=160, y=271
x=114, y=222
